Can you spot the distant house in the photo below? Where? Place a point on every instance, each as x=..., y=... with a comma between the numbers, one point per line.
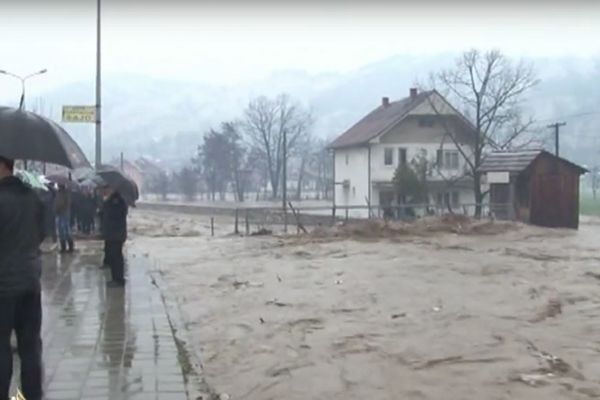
x=149, y=168
x=367, y=155
x=533, y=186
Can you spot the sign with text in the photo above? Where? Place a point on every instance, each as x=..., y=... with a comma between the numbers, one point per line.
x=498, y=177
x=79, y=114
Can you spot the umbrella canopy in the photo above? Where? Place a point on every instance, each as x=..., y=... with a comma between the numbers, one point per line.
x=27, y=136
x=126, y=187
x=31, y=179
x=63, y=180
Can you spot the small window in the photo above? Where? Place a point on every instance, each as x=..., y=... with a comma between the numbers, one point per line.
x=426, y=121
x=388, y=157
x=401, y=156
x=453, y=163
x=447, y=159
x=353, y=191
x=347, y=158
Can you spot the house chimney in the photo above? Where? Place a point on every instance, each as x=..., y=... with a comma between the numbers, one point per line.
x=385, y=101
x=413, y=93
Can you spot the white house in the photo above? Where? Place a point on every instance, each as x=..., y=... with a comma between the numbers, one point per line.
x=421, y=125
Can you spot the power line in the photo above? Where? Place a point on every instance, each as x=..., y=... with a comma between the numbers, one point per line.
x=583, y=114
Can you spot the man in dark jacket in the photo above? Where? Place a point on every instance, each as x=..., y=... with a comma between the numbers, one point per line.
x=21, y=233
x=114, y=231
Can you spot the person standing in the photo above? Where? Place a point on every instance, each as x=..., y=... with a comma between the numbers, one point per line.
x=62, y=209
x=114, y=231
x=22, y=230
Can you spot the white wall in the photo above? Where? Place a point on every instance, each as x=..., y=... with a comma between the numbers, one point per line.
x=356, y=170
x=382, y=172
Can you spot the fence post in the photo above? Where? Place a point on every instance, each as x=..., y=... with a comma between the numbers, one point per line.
x=236, y=231
x=346, y=213
x=247, y=222
x=212, y=226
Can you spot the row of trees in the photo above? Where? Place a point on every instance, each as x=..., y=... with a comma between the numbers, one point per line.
x=252, y=153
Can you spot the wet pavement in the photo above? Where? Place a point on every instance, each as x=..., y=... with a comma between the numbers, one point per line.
x=104, y=343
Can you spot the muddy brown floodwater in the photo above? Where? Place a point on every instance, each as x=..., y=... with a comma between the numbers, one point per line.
x=514, y=315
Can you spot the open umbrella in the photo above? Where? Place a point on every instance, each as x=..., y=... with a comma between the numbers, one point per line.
x=27, y=136
x=31, y=179
x=126, y=187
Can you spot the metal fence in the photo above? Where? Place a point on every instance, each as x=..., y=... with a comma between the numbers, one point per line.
x=253, y=220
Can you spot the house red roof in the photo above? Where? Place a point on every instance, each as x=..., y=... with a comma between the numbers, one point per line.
x=378, y=121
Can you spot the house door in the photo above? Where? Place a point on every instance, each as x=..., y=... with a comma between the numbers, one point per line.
x=500, y=200
x=385, y=203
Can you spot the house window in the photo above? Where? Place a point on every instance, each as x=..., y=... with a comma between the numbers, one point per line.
x=401, y=156
x=347, y=158
x=426, y=121
x=388, y=156
x=447, y=159
x=353, y=191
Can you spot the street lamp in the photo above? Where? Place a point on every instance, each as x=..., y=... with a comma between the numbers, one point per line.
x=23, y=79
x=22, y=102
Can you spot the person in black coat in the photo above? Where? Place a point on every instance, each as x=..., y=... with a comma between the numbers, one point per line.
x=22, y=230
x=114, y=232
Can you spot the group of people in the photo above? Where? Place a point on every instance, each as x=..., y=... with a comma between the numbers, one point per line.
x=24, y=224
x=68, y=211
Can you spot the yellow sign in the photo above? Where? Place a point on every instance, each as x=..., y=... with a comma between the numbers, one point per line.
x=79, y=114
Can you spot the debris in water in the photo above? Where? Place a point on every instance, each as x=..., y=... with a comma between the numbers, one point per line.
x=401, y=315
x=277, y=303
x=279, y=278
x=534, y=380
x=262, y=232
x=262, y=321
x=593, y=275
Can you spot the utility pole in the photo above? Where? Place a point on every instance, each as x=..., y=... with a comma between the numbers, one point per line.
x=122, y=162
x=284, y=188
x=556, y=127
x=98, y=92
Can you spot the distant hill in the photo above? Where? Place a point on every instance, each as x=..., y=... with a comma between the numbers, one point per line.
x=166, y=118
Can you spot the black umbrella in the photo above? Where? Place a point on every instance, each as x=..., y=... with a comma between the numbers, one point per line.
x=126, y=187
x=27, y=136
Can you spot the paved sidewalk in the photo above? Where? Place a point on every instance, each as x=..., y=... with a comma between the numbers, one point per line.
x=104, y=343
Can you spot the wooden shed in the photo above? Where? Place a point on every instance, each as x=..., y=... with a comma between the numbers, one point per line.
x=533, y=186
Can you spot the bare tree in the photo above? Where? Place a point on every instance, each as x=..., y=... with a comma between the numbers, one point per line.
x=266, y=123
x=322, y=162
x=241, y=158
x=187, y=182
x=489, y=88
x=159, y=184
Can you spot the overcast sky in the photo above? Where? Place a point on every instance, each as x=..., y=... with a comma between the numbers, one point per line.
x=229, y=42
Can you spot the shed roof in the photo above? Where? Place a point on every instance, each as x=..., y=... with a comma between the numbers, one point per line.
x=378, y=121
x=517, y=161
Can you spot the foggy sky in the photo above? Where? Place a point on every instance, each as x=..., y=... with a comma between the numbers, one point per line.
x=232, y=41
